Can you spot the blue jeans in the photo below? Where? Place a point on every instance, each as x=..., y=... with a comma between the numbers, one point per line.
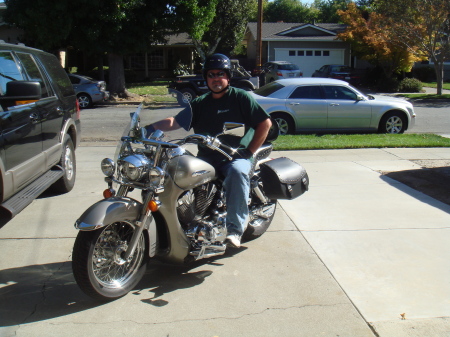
x=237, y=190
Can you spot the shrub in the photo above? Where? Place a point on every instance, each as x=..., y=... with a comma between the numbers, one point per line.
x=410, y=85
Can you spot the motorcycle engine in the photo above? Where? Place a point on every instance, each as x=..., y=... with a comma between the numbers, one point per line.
x=193, y=204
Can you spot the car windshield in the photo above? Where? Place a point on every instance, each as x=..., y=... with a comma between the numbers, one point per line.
x=341, y=69
x=268, y=89
x=288, y=67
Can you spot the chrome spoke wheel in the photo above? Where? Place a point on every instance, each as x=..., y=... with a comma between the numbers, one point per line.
x=108, y=266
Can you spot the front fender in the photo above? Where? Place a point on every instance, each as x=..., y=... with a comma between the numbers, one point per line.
x=107, y=211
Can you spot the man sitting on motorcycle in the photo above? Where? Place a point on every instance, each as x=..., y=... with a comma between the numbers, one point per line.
x=209, y=112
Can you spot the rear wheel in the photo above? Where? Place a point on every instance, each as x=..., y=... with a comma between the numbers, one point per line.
x=260, y=218
x=68, y=163
x=188, y=94
x=285, y=123
x=84, y=100
x=97, y=263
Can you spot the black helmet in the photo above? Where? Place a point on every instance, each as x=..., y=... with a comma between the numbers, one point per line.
x=217, y=61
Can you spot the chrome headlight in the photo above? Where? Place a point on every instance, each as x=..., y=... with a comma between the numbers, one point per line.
x=134, y=167
x=156, y=176
x=108, y=167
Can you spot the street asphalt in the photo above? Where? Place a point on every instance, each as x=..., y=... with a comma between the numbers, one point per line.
x=359, y=254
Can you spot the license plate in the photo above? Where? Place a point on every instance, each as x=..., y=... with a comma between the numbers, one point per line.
x=347, y=77
x=291, y=74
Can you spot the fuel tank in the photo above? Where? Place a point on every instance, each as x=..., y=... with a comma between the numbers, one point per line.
x=188, y=172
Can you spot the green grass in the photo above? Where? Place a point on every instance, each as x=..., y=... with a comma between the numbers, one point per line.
x=434, y=85
x=153, y=88
x=351, y=141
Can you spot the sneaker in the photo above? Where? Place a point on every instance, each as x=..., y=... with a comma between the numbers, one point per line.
x=233, y=240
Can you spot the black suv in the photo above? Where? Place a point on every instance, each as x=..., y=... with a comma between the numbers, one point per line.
x=39, y=127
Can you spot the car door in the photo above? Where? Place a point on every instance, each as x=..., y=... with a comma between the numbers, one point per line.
x=50, y=108
x=345, y=110
x=21, y=138
x=309, y=106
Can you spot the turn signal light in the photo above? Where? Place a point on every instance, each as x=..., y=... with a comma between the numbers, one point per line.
x=108, y=193
x=152, y=206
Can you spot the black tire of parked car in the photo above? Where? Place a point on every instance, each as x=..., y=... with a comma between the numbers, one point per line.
x=68, y=163
x=285, y=123
x=84, y=100
x=188, y=94
x=393, y=122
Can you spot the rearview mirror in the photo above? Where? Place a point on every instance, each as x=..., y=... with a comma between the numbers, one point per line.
x=234, y=129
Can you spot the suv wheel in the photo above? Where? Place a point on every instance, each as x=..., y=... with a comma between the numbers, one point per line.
x=68, y=163
x=84, y=100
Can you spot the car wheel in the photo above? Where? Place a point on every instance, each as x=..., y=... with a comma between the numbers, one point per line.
x=84, y=100
x=285, y=123
x=68, y=163
x=393, y=122
x=188, y=94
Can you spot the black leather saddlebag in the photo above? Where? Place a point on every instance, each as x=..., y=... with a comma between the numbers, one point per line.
x=283, y=179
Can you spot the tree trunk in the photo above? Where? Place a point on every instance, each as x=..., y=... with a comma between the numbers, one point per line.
x=101, y=72
x=439, y=68
x=116, y=83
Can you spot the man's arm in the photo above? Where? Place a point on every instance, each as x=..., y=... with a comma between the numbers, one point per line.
x=260, y=135
x=167, y=124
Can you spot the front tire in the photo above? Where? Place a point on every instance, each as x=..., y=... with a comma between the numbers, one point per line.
x=393, y=122
x=97, y=263
x=260, y=218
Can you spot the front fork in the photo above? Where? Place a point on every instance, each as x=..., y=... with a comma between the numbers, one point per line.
x=145, y=217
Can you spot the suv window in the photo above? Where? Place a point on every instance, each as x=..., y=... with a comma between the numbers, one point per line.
x=34, y=74
x=8, y=70
x=307, y=92
x=57, y=74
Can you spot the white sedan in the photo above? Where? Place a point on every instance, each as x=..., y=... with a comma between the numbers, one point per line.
x=328, y=105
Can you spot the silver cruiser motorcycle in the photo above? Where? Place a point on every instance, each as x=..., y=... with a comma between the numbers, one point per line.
x=162, y=202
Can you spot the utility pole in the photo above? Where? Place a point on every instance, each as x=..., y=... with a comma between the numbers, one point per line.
x=259, y=33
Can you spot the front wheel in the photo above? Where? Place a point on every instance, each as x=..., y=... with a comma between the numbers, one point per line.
x=393, y=122
x=97, y=263
x=260, y=218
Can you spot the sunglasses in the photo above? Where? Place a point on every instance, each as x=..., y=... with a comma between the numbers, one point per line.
x=219, y=74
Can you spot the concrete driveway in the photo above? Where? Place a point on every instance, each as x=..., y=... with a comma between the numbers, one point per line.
x=345, y=259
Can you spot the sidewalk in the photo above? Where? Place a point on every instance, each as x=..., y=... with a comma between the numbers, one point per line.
x=347, y=258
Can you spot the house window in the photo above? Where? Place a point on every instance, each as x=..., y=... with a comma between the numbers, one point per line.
x=309, y=53
x=301, y=53
x=291, y=52
x=137, y=61
x=156, y=59
x=326, y=53
x=317, y=53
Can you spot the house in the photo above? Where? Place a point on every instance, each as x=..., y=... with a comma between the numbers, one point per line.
x=309, y=46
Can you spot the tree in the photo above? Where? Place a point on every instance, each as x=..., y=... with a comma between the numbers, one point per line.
x=370, y=40
x=288, y=11
x=115, y=27
x=422, y=26
x=215, y=24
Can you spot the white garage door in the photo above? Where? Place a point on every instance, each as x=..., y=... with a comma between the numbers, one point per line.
x=310, y=60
